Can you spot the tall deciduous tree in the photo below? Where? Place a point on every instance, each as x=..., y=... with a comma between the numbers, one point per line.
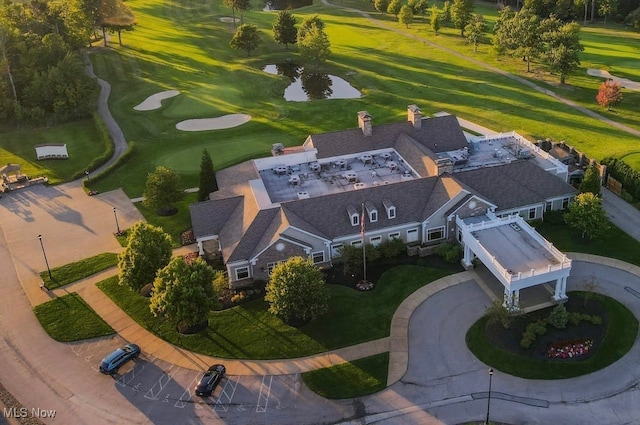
x=381, y=5
x=184, y=293
x=607, y=8
x=461, y=12
x=296, y=291
x=446, y=11
x=592, y=181
x=208, y=182
x=308, y=23
x=246, y=38
x=475, y=30
x=609, y=94
x=148, y=250
x=562, y=46
x=240, y=5
x=163, y=190
x=518, y=34
x=284, y=28
x=435, y=19
x=394, y=7
x=406, y=15
x=586, y=215
x=314, y=45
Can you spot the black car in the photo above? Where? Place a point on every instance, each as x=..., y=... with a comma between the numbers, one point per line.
x=112, y=362
x=210, y=380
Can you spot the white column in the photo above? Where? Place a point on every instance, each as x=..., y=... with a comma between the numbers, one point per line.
x=467, y=260
x=516, y=299
x=511, y=299
x=200, y=248
x=561, y=289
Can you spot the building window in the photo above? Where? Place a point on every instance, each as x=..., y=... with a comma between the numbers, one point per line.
x=271, y=266
x=532, y=213
x=373, y=216
x=242, y=273
x=548, y=206
x=355, y=219
x=335, y=250
x=391, y=212
x=412, y=235
x=318, y=257
x=435, y=233
x=394, y=235
x=375, y=241
x=565, y=203
x=356, y=244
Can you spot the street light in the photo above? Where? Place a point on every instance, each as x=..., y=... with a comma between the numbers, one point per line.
x=486, y=422
x=45, y=256
x=117, y=225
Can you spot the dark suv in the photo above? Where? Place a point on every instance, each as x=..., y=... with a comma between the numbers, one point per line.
x=112, y=362
x=210, y=380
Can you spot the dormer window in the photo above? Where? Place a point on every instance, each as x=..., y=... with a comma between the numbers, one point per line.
x=372, y=211
x=354, y=217
x=390, y=208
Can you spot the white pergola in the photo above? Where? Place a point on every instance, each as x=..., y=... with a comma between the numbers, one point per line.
x=517, y=255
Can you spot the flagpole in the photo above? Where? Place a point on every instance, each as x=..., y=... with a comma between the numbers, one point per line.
x=364, y=249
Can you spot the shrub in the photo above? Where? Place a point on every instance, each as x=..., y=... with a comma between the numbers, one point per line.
x=498, y=313
x=537, y=328
x=596, y=320
x=559, y=317
x=527, y=339
x=574, y=318
x=391, y=248
x=449, y=252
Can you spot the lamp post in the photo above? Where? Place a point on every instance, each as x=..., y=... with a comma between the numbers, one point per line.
x=45, y=256
x=486, y=422
x=116, y=217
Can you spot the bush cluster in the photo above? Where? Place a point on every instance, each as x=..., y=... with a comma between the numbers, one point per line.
x=558, y=318
x=450, y=252
x=621, y=171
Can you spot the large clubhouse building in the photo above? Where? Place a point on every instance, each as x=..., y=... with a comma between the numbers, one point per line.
x=423, y=181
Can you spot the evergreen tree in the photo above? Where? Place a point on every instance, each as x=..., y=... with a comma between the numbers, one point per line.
x=446, y=11
x=284, y=28
x=208, y=182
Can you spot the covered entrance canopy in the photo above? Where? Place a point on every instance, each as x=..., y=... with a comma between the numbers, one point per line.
x=517, y=255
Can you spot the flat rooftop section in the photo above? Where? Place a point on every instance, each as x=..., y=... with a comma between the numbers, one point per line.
x=516, y=250
x=308, y=180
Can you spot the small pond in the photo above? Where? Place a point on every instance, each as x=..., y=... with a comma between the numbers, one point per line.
x=309, y=85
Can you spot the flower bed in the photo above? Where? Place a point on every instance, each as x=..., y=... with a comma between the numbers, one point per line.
x=190, y=257
x=569, y=349
x=364, y=285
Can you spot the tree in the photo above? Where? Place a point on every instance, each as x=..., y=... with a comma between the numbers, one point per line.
x=518, y=35
x=184, y=293
x=163, y=190
x=208, y=182
x=148, y=250
x=394, y=7
x=562, y=46
x=381, y=5
x=607, y=8
x=406, y=15
x=435, y=19
x=592, y=181
x=586, y=215
x=115, y=17
x=241, y=5
x=246, y=38
x=497, y=313
x=446, y=11
x=461, y=12
x=418, y=7
x=296, y=291
x=314, y=45
x=476, y=30
x=609, y=94
x=284, y=28
x=308, y=23
x=559, y=317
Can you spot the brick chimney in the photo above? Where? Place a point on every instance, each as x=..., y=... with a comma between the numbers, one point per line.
x=364, y=122
x=414, y=115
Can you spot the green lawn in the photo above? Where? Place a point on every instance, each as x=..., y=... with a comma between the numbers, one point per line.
x=173, y=225
x=248, y=331
x=72, y=272
x=620, y=336
x=193, y=56
x=69, y=318
x=354, y=379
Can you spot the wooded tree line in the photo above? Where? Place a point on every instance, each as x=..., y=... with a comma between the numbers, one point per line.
x=42, y=77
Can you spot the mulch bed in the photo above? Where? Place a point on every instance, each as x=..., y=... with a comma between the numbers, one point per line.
x=509, y=339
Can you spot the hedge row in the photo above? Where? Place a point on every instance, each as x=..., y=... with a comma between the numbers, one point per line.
x=621, y=171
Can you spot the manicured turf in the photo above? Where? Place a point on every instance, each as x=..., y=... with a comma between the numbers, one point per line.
x=175, y=224
x=615, y=243
x=620, y=336
x=391, y=70
x=72, y=272
x=69, y=318
x=354, y=379
x=248, y=331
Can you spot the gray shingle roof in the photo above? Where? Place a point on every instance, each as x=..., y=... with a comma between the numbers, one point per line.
x=519, y=183
x=440, y=134
x=209, y=217
x=256, y=232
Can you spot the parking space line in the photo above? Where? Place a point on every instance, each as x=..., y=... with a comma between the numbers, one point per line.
x=182, y=401
x=224, y=395
x=163, y=381
x=262, y=397
x=131, y=375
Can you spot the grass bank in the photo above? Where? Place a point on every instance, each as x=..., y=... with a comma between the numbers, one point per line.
x=73, y=272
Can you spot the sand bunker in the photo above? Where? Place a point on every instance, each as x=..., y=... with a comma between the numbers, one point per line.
x=155, y=100
x=624, y=82
x=219, y=123
x=228, y=20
